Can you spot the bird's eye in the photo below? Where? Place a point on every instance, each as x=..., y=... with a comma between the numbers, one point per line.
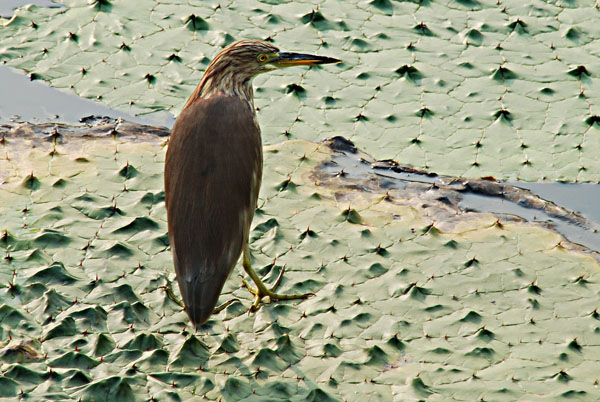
x=262, y=58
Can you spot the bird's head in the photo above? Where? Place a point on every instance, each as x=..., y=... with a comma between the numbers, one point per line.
x=232, y=70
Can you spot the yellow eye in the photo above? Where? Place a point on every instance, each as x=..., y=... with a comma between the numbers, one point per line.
x=262, y=58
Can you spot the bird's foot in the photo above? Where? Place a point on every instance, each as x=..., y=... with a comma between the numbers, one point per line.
x=261, y=291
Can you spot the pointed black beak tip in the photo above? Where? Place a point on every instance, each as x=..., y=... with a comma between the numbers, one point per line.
x=300, y=59
x=329, y=60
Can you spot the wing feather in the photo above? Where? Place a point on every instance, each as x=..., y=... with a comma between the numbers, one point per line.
x=213, y=171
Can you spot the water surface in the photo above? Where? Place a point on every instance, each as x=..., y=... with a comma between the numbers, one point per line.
x=37, y=102
x=7, y=7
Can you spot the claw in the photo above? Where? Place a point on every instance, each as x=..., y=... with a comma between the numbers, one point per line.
x=261, y=291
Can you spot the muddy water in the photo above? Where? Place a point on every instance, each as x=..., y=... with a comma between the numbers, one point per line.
x=580, y=197
x=585, y=234
x=572, y=209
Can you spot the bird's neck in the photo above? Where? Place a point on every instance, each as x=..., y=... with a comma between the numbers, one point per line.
x=227, y=83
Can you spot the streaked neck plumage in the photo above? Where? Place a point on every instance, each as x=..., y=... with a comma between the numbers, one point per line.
x=224, y=76
x=231, y=72
x=227, y=83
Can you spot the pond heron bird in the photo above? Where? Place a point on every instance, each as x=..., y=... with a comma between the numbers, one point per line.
x=213, y=172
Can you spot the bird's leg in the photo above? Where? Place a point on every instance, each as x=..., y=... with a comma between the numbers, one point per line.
x=169, y=289
x=261, y=289
x=171, y=295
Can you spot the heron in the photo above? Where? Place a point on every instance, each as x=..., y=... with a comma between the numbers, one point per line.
x=213, y=173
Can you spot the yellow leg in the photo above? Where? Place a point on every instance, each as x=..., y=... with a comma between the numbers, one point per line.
x=169, y=289
x=172, y=296
x=261, y=289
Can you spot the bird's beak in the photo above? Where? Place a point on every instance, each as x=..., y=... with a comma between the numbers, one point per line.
x=298, y=59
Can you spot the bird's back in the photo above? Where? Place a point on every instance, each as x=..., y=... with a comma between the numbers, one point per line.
x=213, y=171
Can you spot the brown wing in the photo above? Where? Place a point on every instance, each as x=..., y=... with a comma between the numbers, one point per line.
x=213, y=171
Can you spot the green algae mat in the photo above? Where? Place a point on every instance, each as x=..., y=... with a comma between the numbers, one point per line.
x=413, y=300
x=464, y=88
x=406, y=307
